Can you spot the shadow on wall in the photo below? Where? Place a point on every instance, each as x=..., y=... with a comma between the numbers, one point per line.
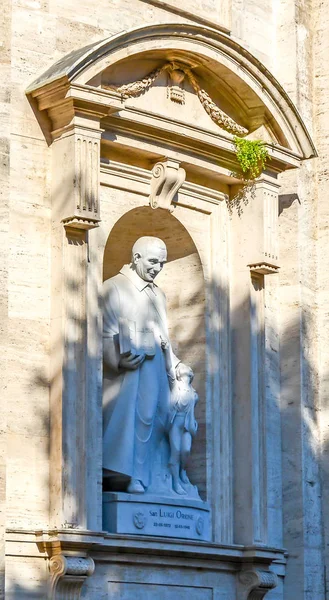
x=299, y=428
x=18, y=592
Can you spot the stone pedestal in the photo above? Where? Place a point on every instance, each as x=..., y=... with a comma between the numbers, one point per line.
x=156, y=516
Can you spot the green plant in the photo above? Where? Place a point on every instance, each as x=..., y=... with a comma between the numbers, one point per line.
x=252, y=156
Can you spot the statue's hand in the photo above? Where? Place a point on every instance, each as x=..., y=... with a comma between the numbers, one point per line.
x=164, y=344
x=131, y=362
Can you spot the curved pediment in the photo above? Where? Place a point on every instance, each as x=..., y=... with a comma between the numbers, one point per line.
x=188, y=76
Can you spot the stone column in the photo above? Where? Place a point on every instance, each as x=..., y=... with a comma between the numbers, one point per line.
x=219, y=398
x=76, y=430
x=254, y=256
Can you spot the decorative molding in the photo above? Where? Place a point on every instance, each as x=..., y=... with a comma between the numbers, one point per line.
x=263, y=268
x=78, y=222
x=68, y=574
x=167, y=178
x=177, y=72
x=257, y=583
x=119, y=176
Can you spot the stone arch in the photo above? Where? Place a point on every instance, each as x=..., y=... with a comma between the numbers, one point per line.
x=182, y=281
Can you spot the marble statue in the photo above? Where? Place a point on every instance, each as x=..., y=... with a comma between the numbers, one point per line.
x=182, y=423
x=136, y=390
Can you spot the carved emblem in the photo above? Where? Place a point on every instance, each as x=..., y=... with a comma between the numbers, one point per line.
x=177, y=73
x=175, y=90
x=167, y=178
x=199, y=526
x=139, y=519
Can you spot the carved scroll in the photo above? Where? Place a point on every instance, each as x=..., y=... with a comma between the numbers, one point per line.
x=68, y=574
x=167, y=178
x=177, y=72
x=255, y=584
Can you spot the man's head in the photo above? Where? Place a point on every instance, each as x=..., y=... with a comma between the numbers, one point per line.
x=148, y=257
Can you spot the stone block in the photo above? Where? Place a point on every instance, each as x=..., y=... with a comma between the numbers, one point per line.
x=156, y=516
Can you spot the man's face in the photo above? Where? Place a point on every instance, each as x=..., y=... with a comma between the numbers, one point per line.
x=150, y=262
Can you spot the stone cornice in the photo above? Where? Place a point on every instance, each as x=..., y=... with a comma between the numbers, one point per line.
x=218, y=147
x=47, y=543
x=62, y=106
x=119, y=175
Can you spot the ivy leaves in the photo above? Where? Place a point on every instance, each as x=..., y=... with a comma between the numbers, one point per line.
x=251, y=156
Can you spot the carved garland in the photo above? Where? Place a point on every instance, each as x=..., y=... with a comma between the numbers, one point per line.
x=136, y=88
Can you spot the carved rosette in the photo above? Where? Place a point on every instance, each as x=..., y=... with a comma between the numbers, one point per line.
x=68, y=574
x=256, y=583
x=167, y=178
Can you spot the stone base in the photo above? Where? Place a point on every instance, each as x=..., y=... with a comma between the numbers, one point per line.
x=156, y=516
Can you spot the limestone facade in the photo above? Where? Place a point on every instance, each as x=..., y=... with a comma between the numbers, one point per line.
x=246, y=284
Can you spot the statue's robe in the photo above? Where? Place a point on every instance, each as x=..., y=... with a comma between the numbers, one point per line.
x=133, y=399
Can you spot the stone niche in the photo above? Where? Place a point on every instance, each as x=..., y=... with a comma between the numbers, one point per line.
x=182, y=281
x=167, y=100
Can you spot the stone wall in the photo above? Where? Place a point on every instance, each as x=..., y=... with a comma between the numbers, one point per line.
x=290, y=39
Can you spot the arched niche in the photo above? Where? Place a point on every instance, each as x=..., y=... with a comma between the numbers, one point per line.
x=182, y=281
x=102, y=140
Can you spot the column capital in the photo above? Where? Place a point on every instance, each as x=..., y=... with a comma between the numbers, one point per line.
x=76, y=164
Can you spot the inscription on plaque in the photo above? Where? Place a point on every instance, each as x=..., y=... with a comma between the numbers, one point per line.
x=124, y=514
x=177, y=519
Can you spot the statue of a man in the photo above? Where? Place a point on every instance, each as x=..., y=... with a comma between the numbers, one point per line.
x=136, y=388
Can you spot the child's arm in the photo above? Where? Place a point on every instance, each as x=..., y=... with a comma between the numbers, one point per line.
x=168, y=362
x=194, y=423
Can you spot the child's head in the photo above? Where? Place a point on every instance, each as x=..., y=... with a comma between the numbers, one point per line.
x=184, y=373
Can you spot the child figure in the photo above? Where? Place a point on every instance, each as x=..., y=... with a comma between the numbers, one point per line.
x=182, y=423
